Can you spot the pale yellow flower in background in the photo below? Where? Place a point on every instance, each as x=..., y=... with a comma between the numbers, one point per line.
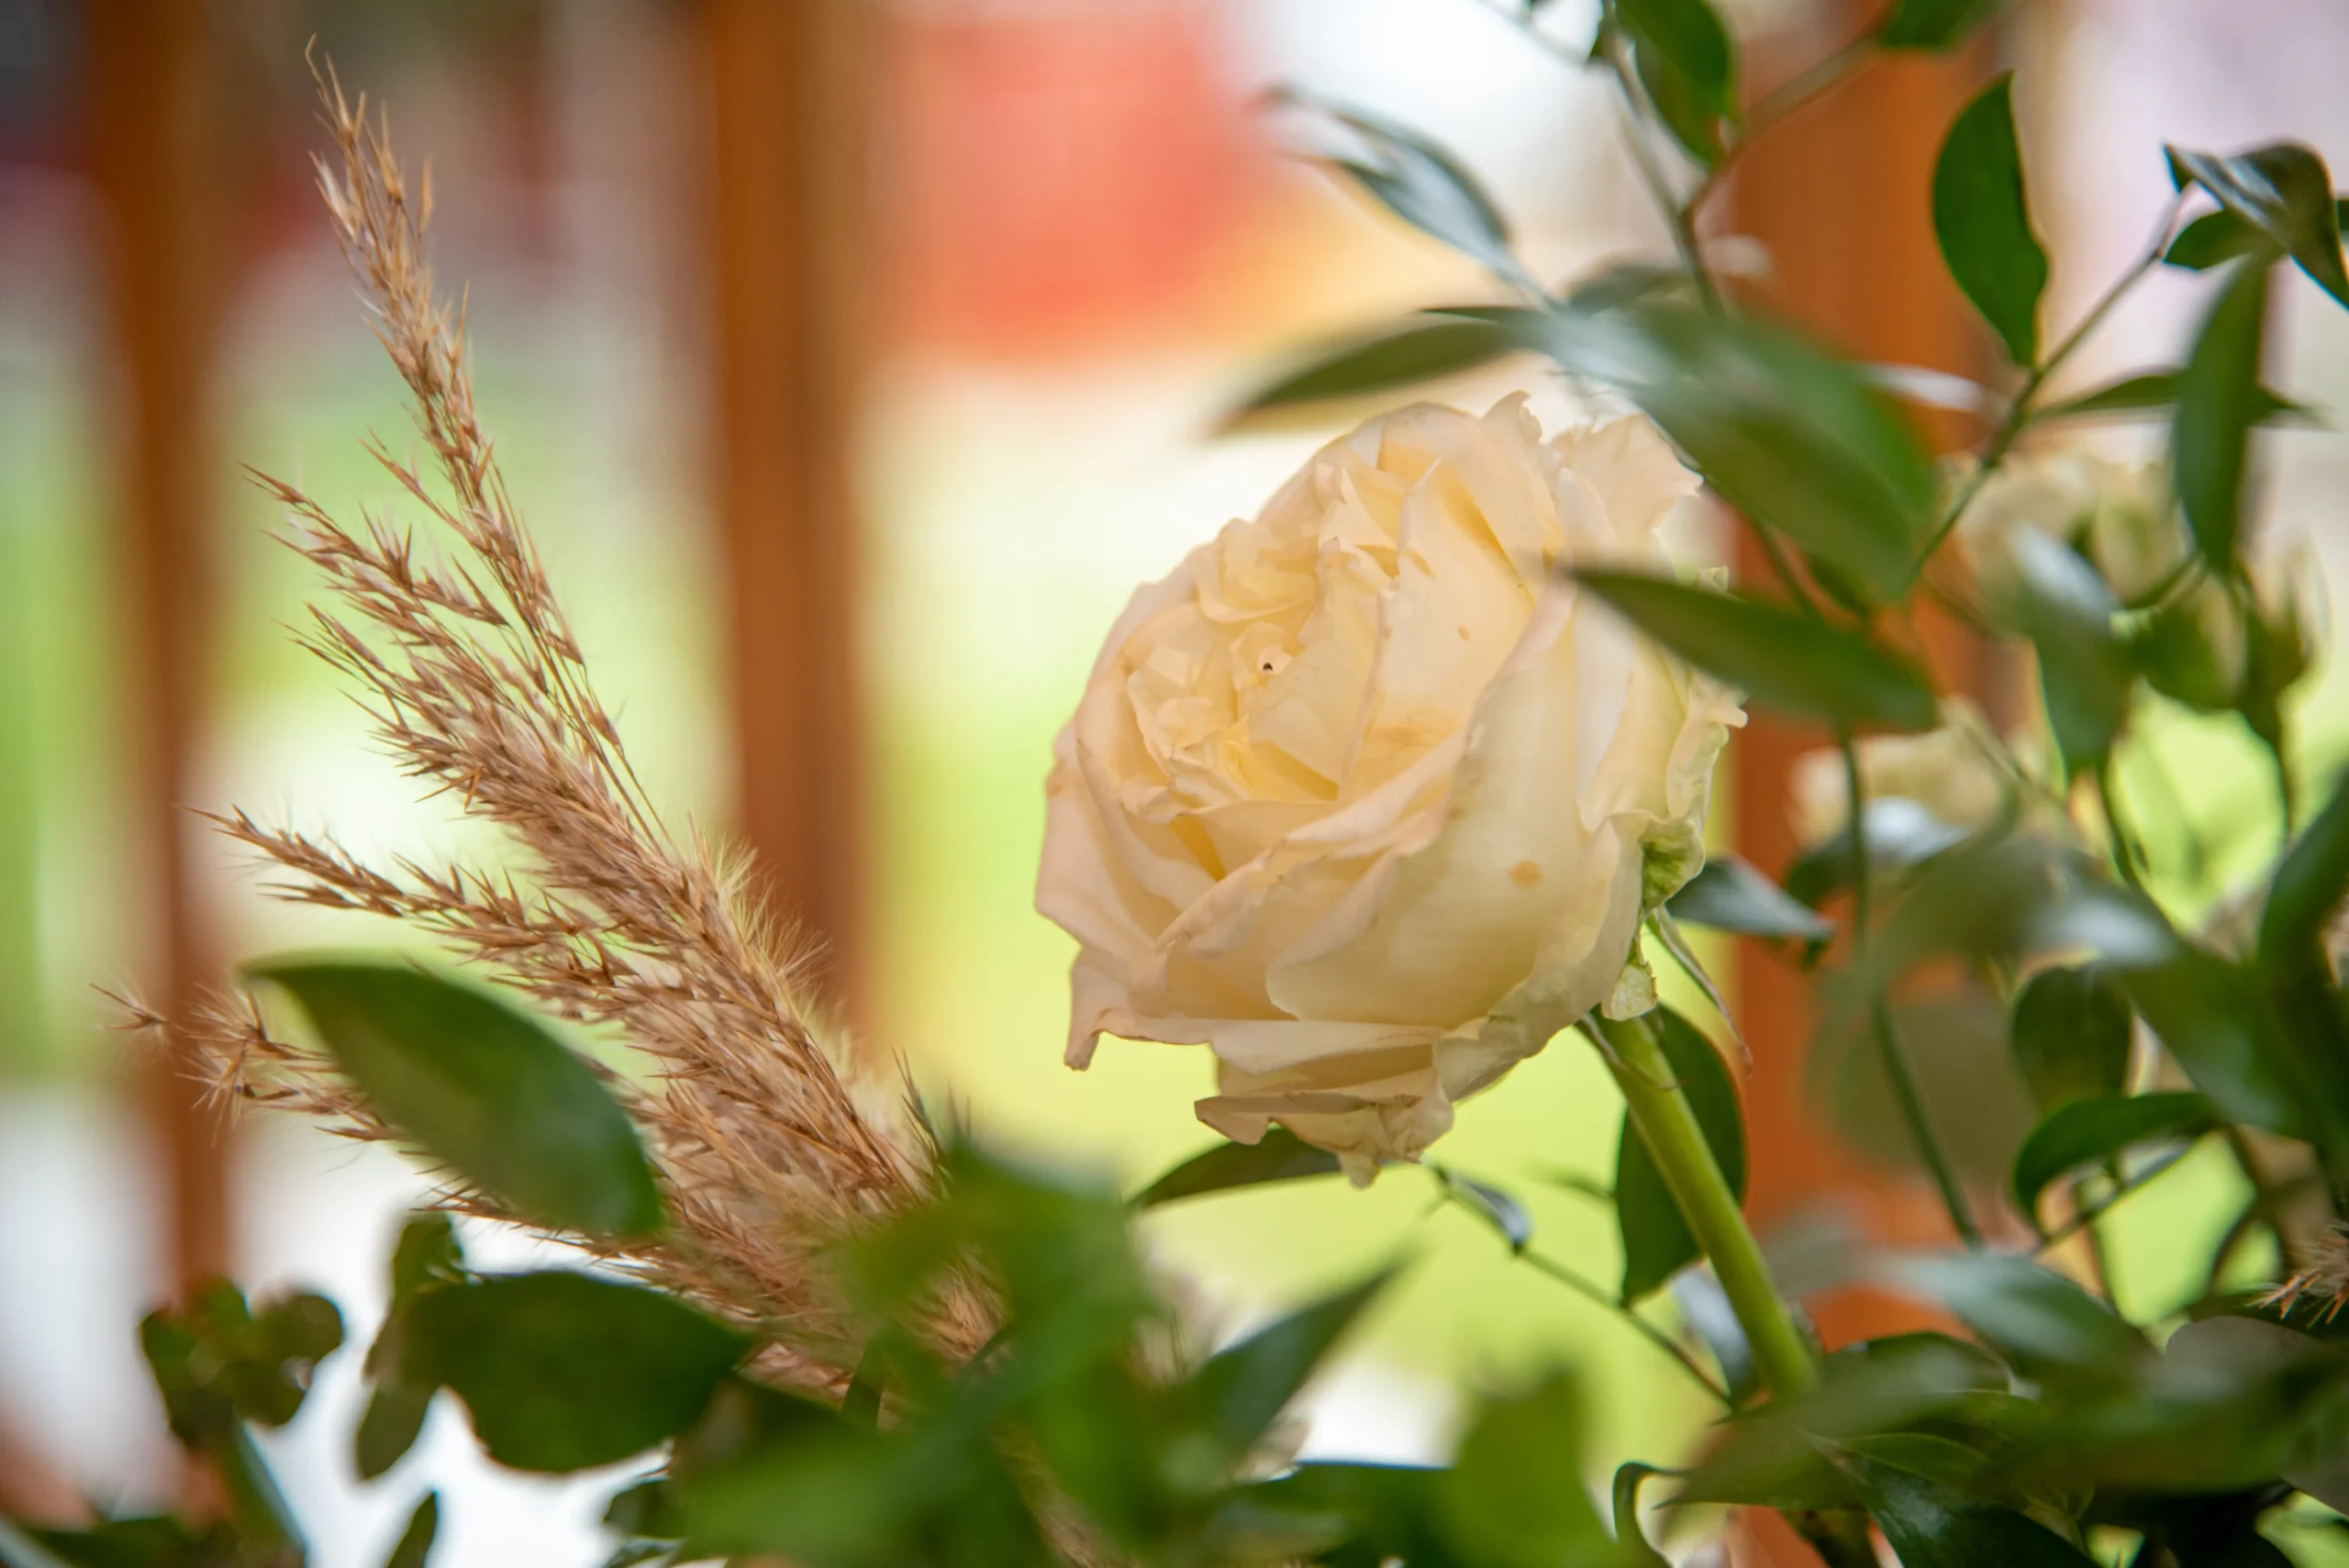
x=1954, y=772
x=2120, y=515
x=1369, y=799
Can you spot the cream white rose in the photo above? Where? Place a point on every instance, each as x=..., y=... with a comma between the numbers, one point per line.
x=1954, y=772
x=2120, y=514
x=1367, y=798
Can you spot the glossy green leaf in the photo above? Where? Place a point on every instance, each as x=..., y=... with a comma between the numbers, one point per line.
x=1793, y=437
x=563, y=1371
x=1508, y=1219
x=2085, y=673
x=2218, y=404
x=2072, y=1035
x=2048, y=1327
x=1279, y=1156
x=1982, y=221
x=2284, y=191
x=2219, y=236
x=482, y=1088
x=1513, y=1497
x=1657, y=1240
x=1630, y=1540
x=2090, y=1133
x=1689, y=35
x=2309, y=881
x=1931, y=1525
x=415, y=1546
x=1934, y=24
x=1385, y=363
x=1246, y=1385
x=1729, y=894
x=1781, y=659
x=2156, y=392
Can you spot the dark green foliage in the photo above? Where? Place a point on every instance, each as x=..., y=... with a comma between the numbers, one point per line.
x=1656, y=1239
x=481, y=1086
x=1386, y=360
x=1729, y=894
x=2094, y=1132
x=1982, y=221
x=414, y=1546
x=2284, y=192
x=1781, y=658
x=1279, y=1156
x=2063, y=607
x=2071, y=1034
x=2151, y=392
x=1687, y=64
x=1934, y=24
x=2218, y=403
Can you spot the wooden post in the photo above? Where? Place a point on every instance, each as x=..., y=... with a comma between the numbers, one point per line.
x=1839, y=195
x=788, y=189
x=154, y=140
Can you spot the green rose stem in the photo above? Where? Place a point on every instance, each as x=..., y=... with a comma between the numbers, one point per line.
x=1660, y=1113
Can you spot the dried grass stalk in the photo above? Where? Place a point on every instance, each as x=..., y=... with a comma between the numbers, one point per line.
x=771, y=1147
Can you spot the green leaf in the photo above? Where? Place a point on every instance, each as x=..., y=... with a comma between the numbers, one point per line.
x=2218, y=403
x=2284, y=191
x=2219, y=237
x=483, y=1088
x=2049, y=1328
x=563, y=1371
x=2089, y=1132
x=416, y=1542
x=1421, y=183
x=1681, y=105
x=1902, y=834
x=2072, y=1029
x=19, y=1550
x=1507, y=1218
x=2309, y=881
x=2085, y=673
x=1934, y=24
x=1982, y=221
x=2209, y=1017
x=1780, y=658
x=1796, y=439
x=1688, y=36
x=1381, y=363
x=1279, y=1156
x=217, y=1363
x=2157, y=391
x=1630, y=1540
x=1729, y=894
x=1932, y=1526
x=393, y=1417
x=1513, y=1497
x=1657, y=1240
x=1245, y=1386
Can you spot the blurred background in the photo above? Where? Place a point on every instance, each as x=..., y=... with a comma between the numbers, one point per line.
x=852, y=361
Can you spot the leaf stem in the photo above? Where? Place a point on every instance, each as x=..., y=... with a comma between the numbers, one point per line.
x=1777, y=104
x=1897, y=1070
x=1590, y=1290
x=1679, y=218
x=1666, y=1122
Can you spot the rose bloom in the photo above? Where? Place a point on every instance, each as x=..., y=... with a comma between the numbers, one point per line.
x=1954, y=772
x=2120, y=514
x=1366, y=797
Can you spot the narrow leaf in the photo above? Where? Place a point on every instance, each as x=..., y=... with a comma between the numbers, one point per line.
x=1245, y=1386
x=2089, y=1133
x=483, y=1088
x=416, y=1542
x=1729, y=894
x=2156, y=392
x=2084, y=668
x=1630, y=1540
x=2284, y=191
x=1933, y=1526
x=1508, y=1217
x=563, y=1371
x=1383, y=363
x=1934, y=24
x=1422, y=183
x=2209, y=1017
x=2218, y=404
x=393, y=1417
x=2049, y=1328
x=1982, y=221
x=1689, y=35
x=1657, y=1240
x=1279, y=1156
x=1780, y=658
x=2308, y=883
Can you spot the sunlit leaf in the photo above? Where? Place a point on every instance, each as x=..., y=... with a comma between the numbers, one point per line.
x=2090, y=1133
x=481, y=1086
x=1383, y=362
x=1729, y=894
x=1982, y=221
x=562, y=1371
x=2218, y=404
x=1513, y=1497
x=1279, y=1156
x=2309, y=881
x=1780, y=658
x=1657, y=1240
x=2284, y=191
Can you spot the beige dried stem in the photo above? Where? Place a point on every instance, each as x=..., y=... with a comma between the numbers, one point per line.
x=770, y=1146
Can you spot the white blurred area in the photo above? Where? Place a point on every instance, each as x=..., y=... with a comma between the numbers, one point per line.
x=1014, y=500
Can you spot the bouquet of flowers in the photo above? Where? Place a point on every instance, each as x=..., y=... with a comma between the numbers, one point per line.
x=1380, y=792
